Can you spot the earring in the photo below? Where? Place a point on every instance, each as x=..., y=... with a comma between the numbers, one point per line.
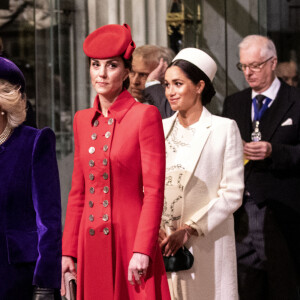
x=2, y=113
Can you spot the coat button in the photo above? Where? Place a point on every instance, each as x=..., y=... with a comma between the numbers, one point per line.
x=105, y=148
x=92, y=150
x=105, y=176
x=105, y=218
x=91, y=176
x=106, y=231
x=96, y=123
x=105, y=203
x=92, y=190
x=107, y=134
x=110, y=121
x=106, y=189
x=92, y=231
x=91, y=163
x=91, y=218
x=94, y=136
x=91, y=203
x=104, y=162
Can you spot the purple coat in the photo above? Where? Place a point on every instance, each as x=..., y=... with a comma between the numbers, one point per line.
x=30, y=213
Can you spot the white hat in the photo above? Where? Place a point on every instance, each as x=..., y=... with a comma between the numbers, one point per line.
x=200, y=59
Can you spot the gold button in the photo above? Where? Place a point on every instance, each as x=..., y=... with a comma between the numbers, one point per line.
x=92, y=190
x=110, y=121
x=94, y=136
x=104, y=162
x=105, y=218
x=106, y=189
x=106, y=231
x=107, y=134
x=96, y=123
x=91, y=163
x=91, y=218
x=92, y=150
x=105, y=176
x=91, y=176
x=91, y=203
x=105, y=148
x=92, y=231
x=105, y=203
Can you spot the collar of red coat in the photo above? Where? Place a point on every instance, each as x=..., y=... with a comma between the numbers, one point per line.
x=118, y=109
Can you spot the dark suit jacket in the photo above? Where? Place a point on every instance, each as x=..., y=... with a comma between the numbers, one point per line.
x=155, y=95
x=276, y=178
x=274, y=181
x=30, y=212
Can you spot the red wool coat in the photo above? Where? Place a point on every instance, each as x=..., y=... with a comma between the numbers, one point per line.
x=115, y=204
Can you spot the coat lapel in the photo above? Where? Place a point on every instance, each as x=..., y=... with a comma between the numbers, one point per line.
x=202, y=133
x=245, y=121
x=276, y=113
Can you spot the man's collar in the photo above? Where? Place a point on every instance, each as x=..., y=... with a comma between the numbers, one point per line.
x=271, y=92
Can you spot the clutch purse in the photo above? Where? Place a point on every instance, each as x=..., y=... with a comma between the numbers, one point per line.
x=70, y=284
x=182, y=260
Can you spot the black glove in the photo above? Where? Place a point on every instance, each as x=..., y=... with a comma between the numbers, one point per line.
x=45, y=294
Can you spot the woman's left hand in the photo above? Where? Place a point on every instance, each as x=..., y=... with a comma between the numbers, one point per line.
x=137, y=268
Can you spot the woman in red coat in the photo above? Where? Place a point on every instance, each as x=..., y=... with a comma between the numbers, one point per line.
x=116, y=200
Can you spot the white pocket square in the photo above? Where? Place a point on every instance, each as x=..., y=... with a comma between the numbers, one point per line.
x=287, y=122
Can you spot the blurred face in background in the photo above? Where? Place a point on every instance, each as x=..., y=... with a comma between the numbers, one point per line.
x=138, y=76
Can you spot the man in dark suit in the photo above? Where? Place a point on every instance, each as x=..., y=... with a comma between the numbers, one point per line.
x=268, y=223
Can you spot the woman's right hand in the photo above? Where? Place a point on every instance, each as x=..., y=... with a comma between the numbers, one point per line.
x=67, y=265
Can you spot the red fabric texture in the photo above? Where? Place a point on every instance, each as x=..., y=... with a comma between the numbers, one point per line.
x=109, y=41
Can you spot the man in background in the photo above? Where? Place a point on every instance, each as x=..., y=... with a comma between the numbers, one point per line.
x=267, y=225
x=288, y=72
x=149, y=63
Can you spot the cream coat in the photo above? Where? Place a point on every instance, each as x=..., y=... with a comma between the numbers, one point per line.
x=213, y=191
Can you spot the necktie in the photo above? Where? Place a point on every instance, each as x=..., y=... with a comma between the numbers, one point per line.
x=260, y=99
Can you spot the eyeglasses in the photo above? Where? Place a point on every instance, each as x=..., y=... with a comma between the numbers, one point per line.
x=254, y=67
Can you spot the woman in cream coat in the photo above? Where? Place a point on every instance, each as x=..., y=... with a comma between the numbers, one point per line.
x=204, y=182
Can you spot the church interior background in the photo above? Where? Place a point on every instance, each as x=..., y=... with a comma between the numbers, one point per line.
x=44, y=38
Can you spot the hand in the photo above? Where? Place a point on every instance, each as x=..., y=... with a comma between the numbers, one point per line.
x=161, y=236
x=159, y=72
x=176, y=240
x=257, y=150
x=137, y=268
x=67, y=264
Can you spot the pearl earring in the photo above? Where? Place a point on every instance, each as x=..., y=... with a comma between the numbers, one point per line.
x=2, y=113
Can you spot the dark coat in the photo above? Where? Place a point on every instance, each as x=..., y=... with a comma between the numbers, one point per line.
x=274, y=181
x=155, y=95
x=30, y=213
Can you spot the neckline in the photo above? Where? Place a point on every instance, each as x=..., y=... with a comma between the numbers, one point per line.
x=6, y=134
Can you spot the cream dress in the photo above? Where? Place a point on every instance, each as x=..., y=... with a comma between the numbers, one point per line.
x=178, y=148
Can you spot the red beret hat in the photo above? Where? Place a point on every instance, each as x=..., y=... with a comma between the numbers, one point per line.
x=109, y=41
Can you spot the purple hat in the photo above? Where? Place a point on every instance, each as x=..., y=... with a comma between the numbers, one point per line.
x=11, y=73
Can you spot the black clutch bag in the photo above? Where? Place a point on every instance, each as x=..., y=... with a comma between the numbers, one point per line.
x=182, y=260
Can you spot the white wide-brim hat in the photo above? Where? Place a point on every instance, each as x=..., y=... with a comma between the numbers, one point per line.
x=200, y=59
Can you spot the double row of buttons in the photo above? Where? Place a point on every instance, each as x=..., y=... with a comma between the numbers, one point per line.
x=92, y=150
